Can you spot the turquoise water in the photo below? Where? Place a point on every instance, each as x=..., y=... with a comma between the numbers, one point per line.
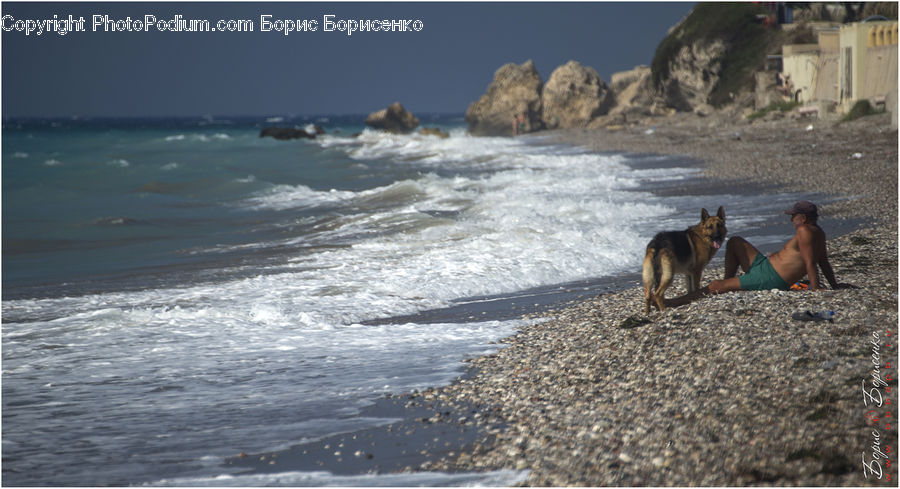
x=89, y=199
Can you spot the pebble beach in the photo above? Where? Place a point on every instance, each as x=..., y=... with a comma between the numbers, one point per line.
x=727, y=391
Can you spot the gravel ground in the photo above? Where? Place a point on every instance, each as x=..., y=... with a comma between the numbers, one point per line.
x=855, y=159
x=729, y=390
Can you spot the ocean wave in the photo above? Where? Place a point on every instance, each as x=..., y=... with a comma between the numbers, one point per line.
x=282, y=197
x=202, y=138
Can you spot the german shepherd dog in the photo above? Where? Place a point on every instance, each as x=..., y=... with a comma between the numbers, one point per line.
x=686, y=252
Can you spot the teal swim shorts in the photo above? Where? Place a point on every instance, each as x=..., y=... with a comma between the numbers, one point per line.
x=762, y=276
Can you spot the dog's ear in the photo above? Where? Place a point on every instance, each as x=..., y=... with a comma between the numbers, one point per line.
x=721, y=213
x=704, y=214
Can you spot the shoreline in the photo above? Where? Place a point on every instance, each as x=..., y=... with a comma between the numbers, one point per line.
x=581, y=398
x=728, y=390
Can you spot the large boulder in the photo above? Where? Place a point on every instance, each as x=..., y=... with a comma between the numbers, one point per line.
x=516, y=90
x=693, y=74
x=573, y=96
x=394, y=119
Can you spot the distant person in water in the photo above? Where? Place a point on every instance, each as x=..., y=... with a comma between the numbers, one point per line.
x=519, y=124
x=803, y=255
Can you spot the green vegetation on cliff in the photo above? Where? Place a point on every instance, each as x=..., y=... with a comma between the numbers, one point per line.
x=738, y=26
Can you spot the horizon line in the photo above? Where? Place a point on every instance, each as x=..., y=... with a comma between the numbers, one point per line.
x=210, y=117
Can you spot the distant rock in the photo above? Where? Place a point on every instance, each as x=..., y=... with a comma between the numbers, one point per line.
x=516, y=89
x=394, y=119
x=693, y=74
x=632, y=89
x=634, y=95
x=573, y=96
x=623, y=80
x=433, y=131
x=286, y=133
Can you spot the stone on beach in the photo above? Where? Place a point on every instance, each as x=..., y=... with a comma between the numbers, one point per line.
x=394, y=119
x=433, y=131
x=286, y=133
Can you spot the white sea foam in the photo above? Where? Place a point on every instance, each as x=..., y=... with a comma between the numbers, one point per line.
x=517, y=216
x=281, y=197
x=497, y=478
x=203, y=138
x=265, y=345
x=121, y=163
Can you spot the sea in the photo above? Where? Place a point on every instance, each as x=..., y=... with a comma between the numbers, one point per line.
x=177, y=291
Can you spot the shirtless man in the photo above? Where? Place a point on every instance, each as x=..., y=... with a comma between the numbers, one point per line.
x=800, y=256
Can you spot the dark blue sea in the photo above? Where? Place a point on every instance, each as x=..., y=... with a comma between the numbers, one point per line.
x=178, y=291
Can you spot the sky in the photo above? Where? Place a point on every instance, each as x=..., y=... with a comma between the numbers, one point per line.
x=440, y=64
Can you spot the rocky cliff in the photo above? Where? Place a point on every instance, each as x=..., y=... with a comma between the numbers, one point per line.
x=711, y=60
x=634, y=95
x=712, y=55
x=515, y=90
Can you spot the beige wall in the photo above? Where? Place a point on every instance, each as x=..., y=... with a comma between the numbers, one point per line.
x=829, y=40
x=801, y=68
x=879, y=75
x=867, y=69
x=855, y=62
x=827, y=79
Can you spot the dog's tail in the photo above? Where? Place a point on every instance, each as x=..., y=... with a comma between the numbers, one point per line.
x=650, y=275
x=651, y=271
x=652, y=267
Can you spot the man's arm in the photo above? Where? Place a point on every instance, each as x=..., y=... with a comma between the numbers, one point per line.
x=825, y=265
x=806, y=243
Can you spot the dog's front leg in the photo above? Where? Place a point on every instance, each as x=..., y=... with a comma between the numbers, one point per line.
x=693, y=281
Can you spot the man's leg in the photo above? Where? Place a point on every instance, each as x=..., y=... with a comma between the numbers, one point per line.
x=738, y=252
x=715, y=287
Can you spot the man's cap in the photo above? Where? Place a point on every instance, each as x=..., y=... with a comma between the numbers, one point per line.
x=804, y=207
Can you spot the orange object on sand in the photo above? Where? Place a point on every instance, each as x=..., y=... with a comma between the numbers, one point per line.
x=800, y=286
